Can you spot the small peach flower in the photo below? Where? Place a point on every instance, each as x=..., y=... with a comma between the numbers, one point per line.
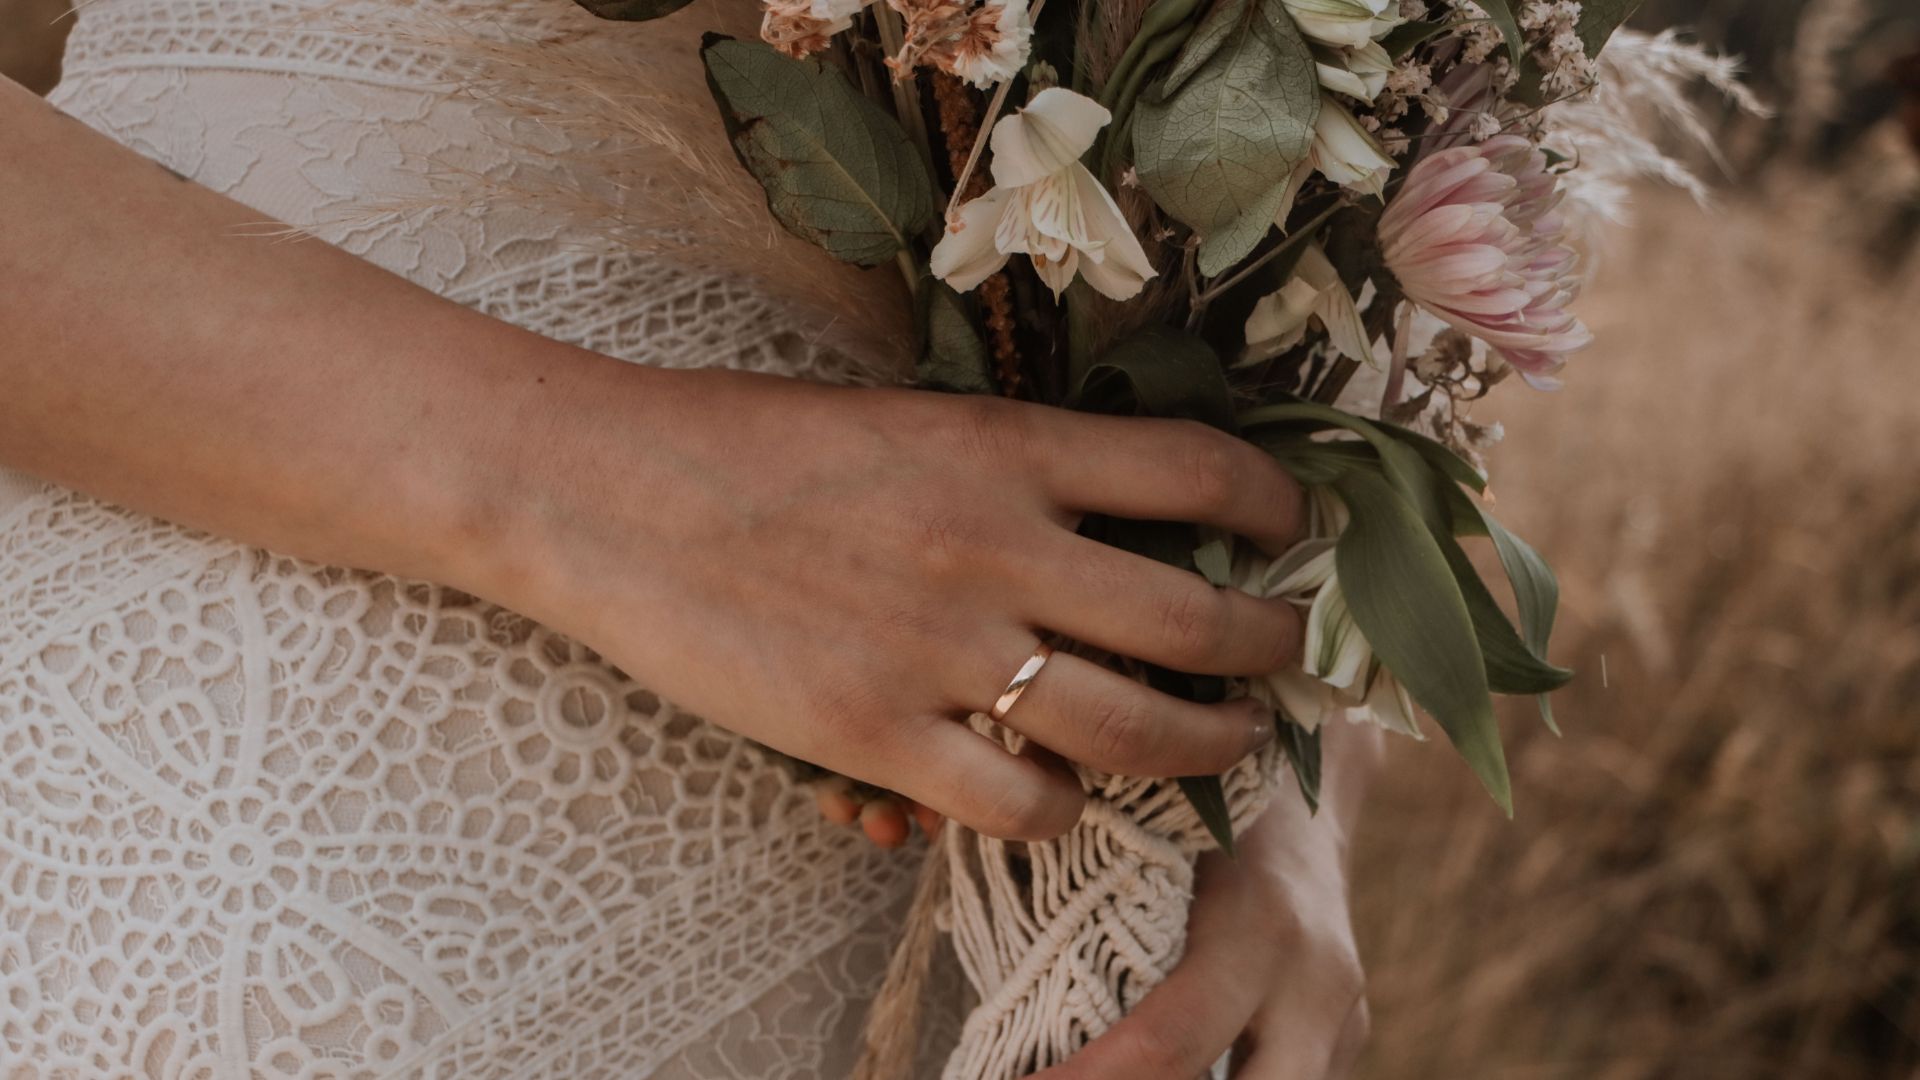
x=1474, y=238
x=984, y=43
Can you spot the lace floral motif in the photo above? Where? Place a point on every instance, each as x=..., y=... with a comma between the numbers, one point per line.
x=259, y=817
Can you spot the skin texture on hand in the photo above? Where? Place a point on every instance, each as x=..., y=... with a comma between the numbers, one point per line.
x=841, y=574
x=1271, y=971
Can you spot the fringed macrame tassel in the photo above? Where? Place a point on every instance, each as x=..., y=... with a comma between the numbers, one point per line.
x=893, y=1021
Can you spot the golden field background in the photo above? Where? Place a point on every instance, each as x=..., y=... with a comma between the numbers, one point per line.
x=1713, y=874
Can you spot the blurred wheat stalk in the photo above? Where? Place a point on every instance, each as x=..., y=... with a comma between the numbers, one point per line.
x=1713, y=874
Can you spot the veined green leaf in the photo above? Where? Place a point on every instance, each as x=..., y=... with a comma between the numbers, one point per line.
x=1159, y=372
x=1404, y=597
x=632, y=10
x=1501, y=12
x=1217, y=139
x=1209, y=799
x=954, y=357
x=1536, y=592
x=838, y=171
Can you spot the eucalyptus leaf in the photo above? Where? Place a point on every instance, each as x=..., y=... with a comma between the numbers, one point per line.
x=1159, y=372
x=1209, y=799
x=1216, y=140
x=954, y=357
x=1501, y=12
x=838, y=170
x=632, y=10
x=1405, y=600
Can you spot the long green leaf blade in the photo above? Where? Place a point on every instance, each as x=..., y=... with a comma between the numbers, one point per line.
x=1405, y=600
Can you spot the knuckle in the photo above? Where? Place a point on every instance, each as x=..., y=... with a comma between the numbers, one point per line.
x=1169, y=1047
x=989, y=428
x=1119, y=730
x=1211, y=467
x=1019, y=810
x=943, y=537
x=1194, y=617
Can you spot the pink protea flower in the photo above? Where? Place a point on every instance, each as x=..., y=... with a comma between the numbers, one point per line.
x=1474, y=238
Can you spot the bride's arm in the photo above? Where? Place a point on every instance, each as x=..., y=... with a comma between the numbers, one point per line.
x=837, y=573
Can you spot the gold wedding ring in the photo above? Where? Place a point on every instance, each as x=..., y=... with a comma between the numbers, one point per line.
x=1028, y=672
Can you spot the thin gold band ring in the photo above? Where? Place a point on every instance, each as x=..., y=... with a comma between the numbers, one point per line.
x=1028, y=672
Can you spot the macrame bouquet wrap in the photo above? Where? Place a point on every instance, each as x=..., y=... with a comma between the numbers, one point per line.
x=1058, y=939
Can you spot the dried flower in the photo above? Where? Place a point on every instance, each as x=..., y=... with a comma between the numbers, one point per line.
x=802, y=27
x=1474, y=238
x=984, y=43
x=1046, y=205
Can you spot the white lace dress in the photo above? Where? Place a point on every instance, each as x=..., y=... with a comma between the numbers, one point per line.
x=265, y=818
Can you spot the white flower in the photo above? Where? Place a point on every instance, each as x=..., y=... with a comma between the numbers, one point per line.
x=1314, y=293
x=1046, y=205
x=1339, y=677
x=1350, y=23
x=840, y=13
x=1358, y=73
x=1346, y=153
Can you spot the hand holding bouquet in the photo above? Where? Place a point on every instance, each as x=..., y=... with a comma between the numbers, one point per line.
x=1327, y=227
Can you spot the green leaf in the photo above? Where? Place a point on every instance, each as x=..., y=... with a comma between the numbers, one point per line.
x=954, y=357
x=1501, y=11
x=1409, y=36
x=1214, y=562
x=1159, y=372
x=632, y=10
x=1600, y=18
x=1215, y=141
x=1209, y=799
x=1302, y=748
x=838, y=170
x=1536, y=592
x=1405, y=600
x=1512, y=667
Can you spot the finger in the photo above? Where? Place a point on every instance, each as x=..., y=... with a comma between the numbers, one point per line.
x=1174, y=470
x=1133, y=606
x=1310, y=1043
x=1190, y=1020
x=1090, y=714
x=958, y=773
x=884, y=823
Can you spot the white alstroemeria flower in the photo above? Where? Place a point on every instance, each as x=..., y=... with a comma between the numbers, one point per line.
x=1349, y=23
x=1340, y=678
x=1314, y=293
x=1358, y=73
x=1047, y=206
x=1346, y=153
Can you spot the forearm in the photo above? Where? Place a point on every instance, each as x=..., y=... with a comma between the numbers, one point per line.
x=160, y=348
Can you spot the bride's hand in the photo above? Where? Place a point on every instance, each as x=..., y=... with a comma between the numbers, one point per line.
x=844, y=574
x=1271, y=971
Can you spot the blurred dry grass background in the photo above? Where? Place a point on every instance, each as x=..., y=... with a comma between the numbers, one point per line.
x=1713, y=874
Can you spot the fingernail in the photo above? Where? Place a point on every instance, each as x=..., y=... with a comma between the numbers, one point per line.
x=1263, y=729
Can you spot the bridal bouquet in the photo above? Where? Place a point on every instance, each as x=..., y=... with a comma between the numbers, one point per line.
x=1326, y=226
